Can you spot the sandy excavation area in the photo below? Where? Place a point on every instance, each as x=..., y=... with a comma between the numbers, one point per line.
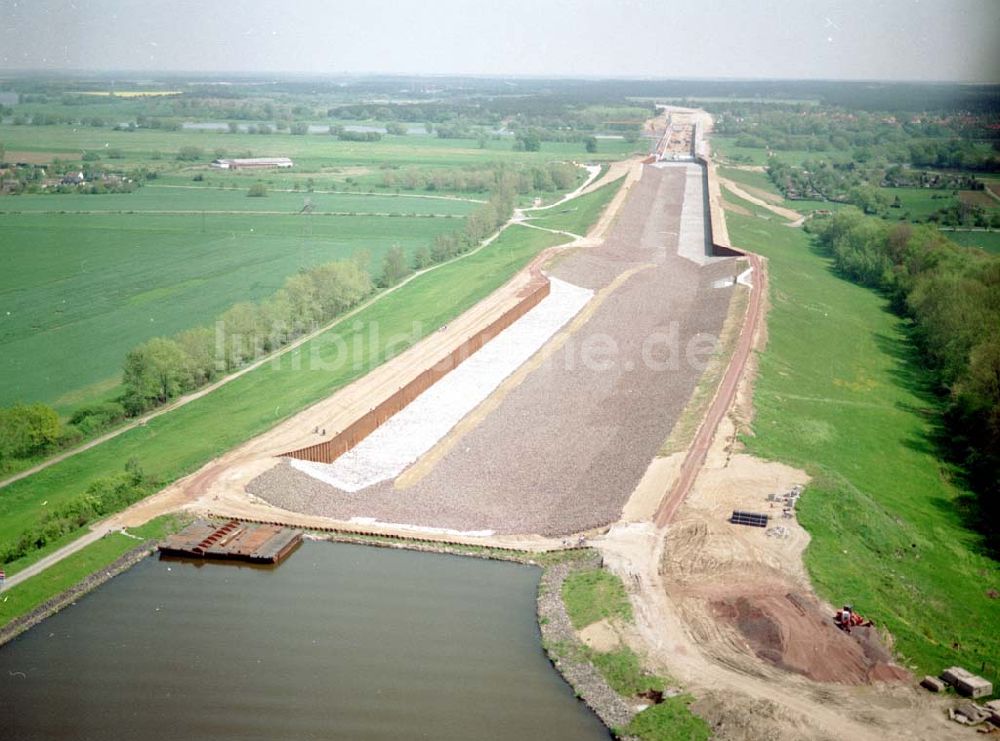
x=561, y=444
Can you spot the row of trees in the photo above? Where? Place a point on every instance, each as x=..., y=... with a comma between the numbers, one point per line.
x=554, y=176
x=952, y=296
x=32, y=431
x=560, y=117
x=163, y=368
x=346, y=135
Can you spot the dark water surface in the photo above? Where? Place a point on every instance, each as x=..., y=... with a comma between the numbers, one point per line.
x=340, y=642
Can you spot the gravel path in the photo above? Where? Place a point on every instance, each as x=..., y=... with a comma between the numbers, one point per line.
x=567, y=446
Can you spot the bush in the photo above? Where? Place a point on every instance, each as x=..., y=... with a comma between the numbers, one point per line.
x=97, y=417
x=27, y=430
x=257, y=190
x=189, y=154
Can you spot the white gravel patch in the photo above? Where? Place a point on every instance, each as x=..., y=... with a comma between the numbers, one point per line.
x=692, y=241
x=398, y=443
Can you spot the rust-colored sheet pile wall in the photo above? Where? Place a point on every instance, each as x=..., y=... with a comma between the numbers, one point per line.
x=329, y=450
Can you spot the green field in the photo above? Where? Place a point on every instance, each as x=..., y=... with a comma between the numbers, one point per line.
x=989, y=241
x=179, y=442
x=192, y=197
x=918, y=203
x=312, y=152
x=89, y=287
x=842, y=394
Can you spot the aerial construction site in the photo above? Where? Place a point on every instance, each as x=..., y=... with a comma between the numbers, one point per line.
x=597, y=399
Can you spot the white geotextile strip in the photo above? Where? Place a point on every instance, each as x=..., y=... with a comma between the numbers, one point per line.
x=691, y=239
x=413, y=431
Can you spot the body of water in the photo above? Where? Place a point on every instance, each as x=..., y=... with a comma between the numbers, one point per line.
x=340, y=642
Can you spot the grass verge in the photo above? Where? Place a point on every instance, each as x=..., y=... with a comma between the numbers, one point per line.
x=671, y=719
x=578, y=215
x=594, y=595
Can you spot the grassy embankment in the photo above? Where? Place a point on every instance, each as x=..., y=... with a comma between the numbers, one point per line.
x=594, y=595
x=578, y=215
x=177, y=443
x=841, y=393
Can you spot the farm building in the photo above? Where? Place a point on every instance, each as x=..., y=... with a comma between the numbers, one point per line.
x=253, y=163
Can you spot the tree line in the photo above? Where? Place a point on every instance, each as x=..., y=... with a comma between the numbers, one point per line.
x=163, y=368
x=965, y=142
x=951, y=294
x=554, y=176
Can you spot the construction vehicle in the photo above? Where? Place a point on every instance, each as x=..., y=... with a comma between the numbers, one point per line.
x=847, y=618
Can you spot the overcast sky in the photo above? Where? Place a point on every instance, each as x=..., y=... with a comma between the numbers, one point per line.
x=834, y=39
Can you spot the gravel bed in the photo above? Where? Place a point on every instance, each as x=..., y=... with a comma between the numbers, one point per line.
x=585, y=680
x=566, y=448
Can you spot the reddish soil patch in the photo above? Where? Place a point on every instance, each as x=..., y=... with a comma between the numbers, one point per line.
x=793, y=632
x=978, y=198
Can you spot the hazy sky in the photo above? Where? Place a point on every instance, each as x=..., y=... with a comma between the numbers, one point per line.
x=847, y=39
